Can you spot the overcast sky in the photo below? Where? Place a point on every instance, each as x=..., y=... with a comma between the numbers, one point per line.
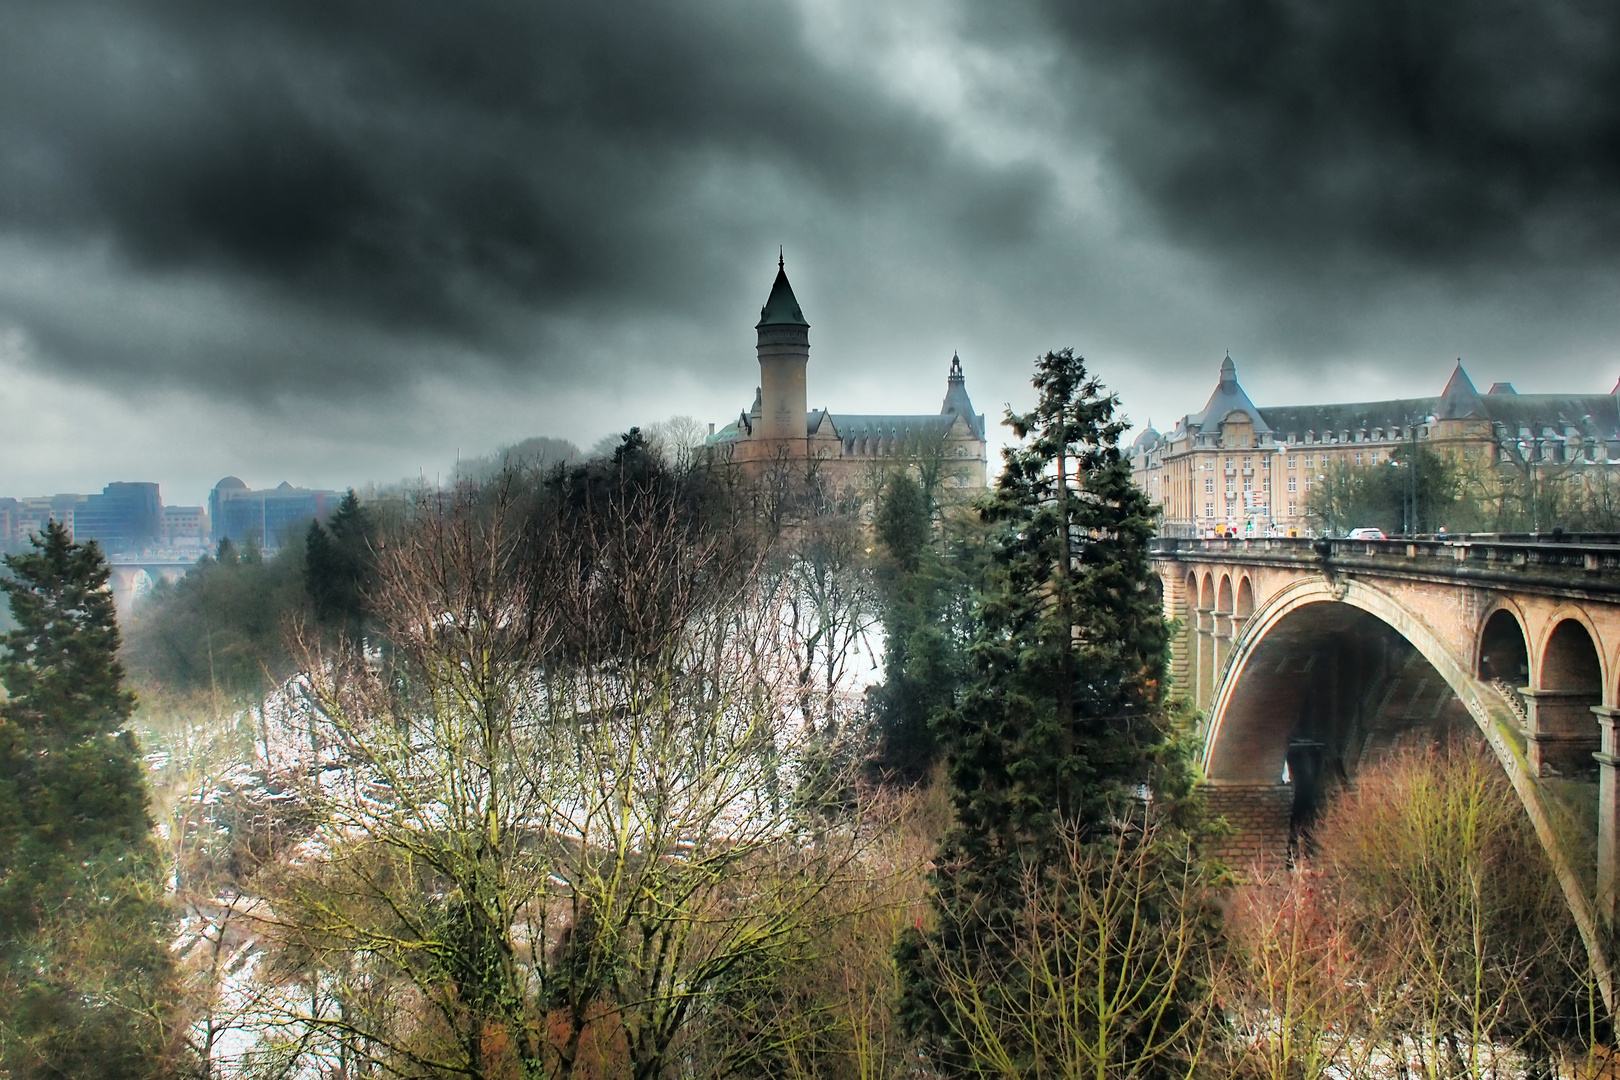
x=335, y=242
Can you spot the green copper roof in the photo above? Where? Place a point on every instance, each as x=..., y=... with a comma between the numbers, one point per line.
x=782, y=309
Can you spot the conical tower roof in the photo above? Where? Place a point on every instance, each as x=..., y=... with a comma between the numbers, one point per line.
x=956, y=398
x=1459, y=398
x=782, y=309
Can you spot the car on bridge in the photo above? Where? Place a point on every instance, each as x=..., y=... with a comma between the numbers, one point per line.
x=1365, y=534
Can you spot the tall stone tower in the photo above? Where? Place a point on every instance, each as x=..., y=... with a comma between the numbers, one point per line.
x=784, y=350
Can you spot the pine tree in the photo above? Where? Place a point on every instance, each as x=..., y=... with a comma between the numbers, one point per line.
x=82, y=955
x=1062, y=729
x=337, y=566
x=926, y=578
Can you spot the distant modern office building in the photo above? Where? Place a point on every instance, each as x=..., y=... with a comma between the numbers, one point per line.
x=125, y=518
x=272, y=517
x=185, y=526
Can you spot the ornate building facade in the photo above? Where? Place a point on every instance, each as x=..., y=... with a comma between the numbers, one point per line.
x=1250, y=470
x=846, y=449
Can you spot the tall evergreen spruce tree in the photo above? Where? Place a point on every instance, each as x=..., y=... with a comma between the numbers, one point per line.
x=926, y=577
x=1062, y=728
x=84, y=966
x=338, y=566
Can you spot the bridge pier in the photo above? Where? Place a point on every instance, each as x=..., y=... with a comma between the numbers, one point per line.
x=1608, y=811
x=1178, y=605
x=1559, y=736
x=1261, y=816
x=1205, y=647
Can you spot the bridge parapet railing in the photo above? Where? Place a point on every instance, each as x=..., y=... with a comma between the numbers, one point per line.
x=1586, y=555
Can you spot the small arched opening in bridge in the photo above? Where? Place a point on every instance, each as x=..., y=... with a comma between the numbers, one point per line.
x=1245, y=599
x=1328, y=689
x=1224, y=605
x=1206, y=594
x=1189, y=598
x=1569, y=681
x=1504, y=655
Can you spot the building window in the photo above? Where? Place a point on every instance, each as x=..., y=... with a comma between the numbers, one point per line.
x=1291, y=459
x=1358, y=457
x=1248, y=483
x=1248, y=463
x=1307, y=483
x=1307, y=461
x=1293, y=483
x=1293, y=509
x=1209, y=485
x=1265, y=484
x=1209, y=510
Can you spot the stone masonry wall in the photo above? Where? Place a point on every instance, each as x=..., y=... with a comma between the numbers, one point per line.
x=1260, y=814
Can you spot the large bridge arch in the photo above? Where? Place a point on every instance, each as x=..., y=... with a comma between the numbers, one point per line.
x=1247, y=739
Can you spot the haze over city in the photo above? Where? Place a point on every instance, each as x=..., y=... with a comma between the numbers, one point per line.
x=333, y=245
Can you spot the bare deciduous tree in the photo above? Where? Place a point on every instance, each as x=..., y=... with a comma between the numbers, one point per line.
x=564, y=807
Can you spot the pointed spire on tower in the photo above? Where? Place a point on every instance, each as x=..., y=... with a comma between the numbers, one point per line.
x=782, y=308
x=957, y=402
x=1459, y=399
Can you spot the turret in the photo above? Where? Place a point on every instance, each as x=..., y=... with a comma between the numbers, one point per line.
x=784, y=352
x=957, y=402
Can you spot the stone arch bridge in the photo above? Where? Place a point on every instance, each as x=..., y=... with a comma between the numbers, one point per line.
x=1309, y=658
x=131, y=577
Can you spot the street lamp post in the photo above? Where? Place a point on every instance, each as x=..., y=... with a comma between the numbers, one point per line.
x=1411, y=479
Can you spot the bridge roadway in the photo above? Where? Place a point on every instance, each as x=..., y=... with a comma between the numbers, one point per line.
x=1309, y=658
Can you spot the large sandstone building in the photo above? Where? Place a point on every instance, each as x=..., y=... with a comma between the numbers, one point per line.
x=846, y=450
x=1243, y=468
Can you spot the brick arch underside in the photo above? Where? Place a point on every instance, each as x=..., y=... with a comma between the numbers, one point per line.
x=1268, y=685
x=1328, y=689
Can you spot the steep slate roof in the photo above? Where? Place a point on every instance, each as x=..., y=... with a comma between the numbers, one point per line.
x=1594, y=416
x=1228, y=396
x=1352, y=417
x=956, y=398
x=1459, y=399
x=782, y=307
x=889, y=426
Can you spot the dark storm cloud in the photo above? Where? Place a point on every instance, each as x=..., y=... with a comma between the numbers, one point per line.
x=1433, y=134
x=442, y=173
